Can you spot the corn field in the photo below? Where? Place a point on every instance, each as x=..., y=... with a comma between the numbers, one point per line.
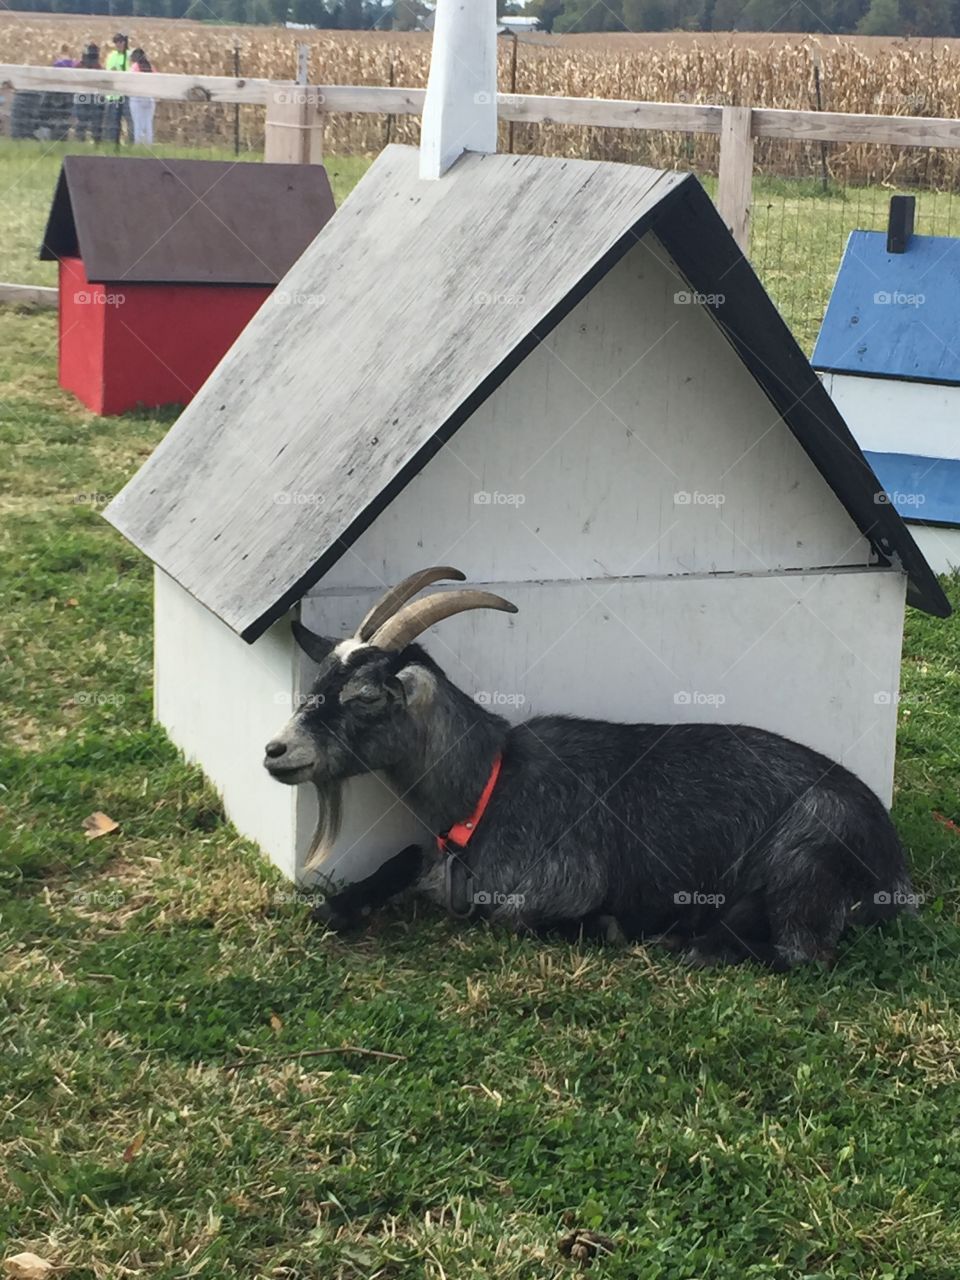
x=860, y=74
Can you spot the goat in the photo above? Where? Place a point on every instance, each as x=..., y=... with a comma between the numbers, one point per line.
x=724, y=841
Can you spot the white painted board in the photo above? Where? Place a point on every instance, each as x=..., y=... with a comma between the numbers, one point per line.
x=221, y=700
x=632, y=441
x=888, y=415
x=940, y=546
x=460, y=108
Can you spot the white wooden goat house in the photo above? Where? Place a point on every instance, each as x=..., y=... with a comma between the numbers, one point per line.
x=563, y=377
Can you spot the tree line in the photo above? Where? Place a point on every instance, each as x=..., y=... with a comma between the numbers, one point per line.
x=844, y=17
x=866, y=17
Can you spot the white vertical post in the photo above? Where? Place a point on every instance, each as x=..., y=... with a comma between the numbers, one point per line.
x=460, y=110
x=735, y=178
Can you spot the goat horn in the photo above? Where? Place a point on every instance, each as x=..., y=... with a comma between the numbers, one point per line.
x=388, y=604
x=408, y=623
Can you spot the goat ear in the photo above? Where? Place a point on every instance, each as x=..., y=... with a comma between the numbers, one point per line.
x=418, y=685
x=314, y=646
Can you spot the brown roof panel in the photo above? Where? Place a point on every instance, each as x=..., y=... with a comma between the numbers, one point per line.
x=185, y=221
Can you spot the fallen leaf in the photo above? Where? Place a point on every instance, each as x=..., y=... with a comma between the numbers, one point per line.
x=99, y=824
x=276, y=1023
x=27, y=1266
x=133, y=1148
x=583, y=1247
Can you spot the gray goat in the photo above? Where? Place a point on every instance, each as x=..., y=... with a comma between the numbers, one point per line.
x=723, y=841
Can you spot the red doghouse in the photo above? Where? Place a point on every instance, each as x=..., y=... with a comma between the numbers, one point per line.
x=163, y=262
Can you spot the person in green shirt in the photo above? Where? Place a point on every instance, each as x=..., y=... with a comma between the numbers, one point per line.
x=118, y=108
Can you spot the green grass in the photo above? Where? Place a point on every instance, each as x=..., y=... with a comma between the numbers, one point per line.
x=725, y=1126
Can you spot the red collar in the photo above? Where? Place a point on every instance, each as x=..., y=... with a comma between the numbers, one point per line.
x=460, y=833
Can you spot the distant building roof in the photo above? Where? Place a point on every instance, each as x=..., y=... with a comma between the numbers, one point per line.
x=185, y=221
x=894, y=315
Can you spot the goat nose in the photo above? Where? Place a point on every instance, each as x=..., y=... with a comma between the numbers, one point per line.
x=275, y=749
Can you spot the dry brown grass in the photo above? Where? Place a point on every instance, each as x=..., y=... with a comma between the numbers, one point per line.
x=860, y=74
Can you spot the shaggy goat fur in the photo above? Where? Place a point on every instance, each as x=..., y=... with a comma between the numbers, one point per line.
x=725, y=841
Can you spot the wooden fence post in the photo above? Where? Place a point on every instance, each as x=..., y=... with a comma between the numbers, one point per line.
x=735, y=181
x=294, y=129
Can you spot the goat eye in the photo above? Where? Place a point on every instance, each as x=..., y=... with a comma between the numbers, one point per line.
x=362, y=693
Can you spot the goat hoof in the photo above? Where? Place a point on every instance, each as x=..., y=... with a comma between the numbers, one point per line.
x=710, y=955
x=610, y=931
x=327, y=915
x=668, y=941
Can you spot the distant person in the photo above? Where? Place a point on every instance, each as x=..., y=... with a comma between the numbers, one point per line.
x=88, y=107
x=141, y=109
x=56, y=109
x=118, y=108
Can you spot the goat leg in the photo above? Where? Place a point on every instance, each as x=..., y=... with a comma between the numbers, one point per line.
x=349, y=908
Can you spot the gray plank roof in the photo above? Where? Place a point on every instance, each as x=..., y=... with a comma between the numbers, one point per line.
x=144, y=220
x=374, y=351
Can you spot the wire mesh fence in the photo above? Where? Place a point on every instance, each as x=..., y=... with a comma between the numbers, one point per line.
x=807, y=196
x=802, y=218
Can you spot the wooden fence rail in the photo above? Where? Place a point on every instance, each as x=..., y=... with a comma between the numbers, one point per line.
x=295, y=117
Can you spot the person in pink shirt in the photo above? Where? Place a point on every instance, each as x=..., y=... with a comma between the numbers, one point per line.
x=142, y=109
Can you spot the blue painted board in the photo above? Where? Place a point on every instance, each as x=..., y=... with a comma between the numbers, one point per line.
x=924, y=489
x=894, y=315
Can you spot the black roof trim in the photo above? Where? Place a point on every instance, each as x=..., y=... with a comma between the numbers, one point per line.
x=694, y=235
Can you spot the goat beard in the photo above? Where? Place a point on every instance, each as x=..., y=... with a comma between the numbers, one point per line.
x=329, y=818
